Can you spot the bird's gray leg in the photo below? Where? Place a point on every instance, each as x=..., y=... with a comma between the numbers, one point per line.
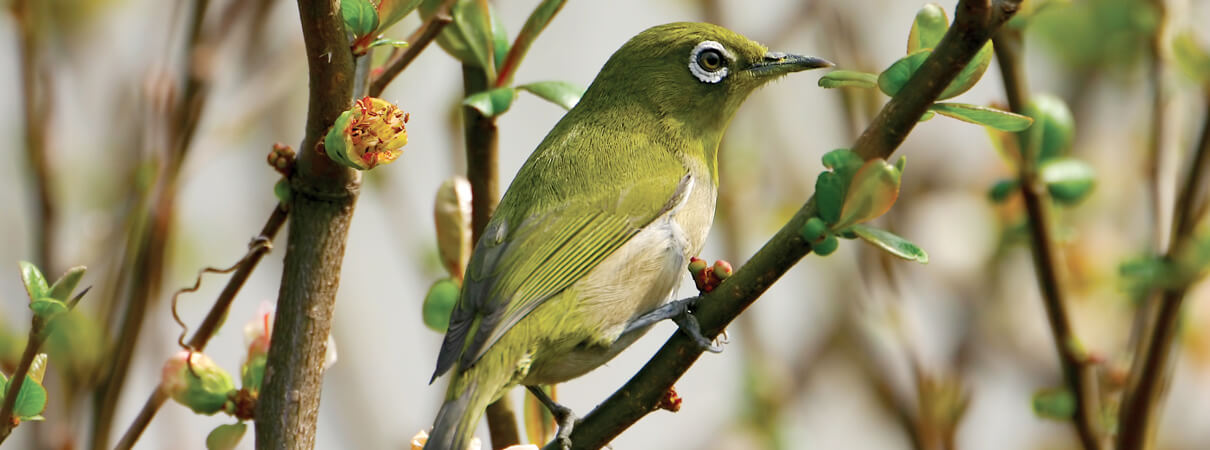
x=563, y=416
x=678, y=311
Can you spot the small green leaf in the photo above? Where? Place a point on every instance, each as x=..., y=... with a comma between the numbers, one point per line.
x=1003, y=189
x=926, y=116
x=31, y=401
x=891, y=80
x=35, y=283
x=391, y=42
x=928, y=28
x=870, y=194
x=844, y=162
x=829, y=196
x=1191, y=57
x=252, y=373
x=226, y=436
x=360, y=16
x=891, y=243
x=1069, y=180
x=474, y=20
x=1055, y=125
x=970, y=74
x=37, y=368
x=47, y=307
x=827, y=246
x=281, y=190
x=492, y=103
x=67, y=283
x=336, y=142
x=439, y=303
x=813, y=230
x=560, y=93
x=848, y=78
x=1054, y=404
x=982, y=115
x=390, y=11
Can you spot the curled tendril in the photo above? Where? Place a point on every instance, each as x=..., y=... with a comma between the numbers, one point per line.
x=258, y=243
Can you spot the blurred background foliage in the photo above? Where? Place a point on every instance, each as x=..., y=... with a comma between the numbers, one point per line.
x=857, y=350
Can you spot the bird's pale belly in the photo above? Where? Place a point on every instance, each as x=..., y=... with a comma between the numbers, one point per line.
x=639, y=277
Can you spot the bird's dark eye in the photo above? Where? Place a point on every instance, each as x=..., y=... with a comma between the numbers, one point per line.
x=708, y=62
x=710, y=59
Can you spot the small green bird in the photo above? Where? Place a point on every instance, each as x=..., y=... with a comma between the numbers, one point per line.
x=595, y=232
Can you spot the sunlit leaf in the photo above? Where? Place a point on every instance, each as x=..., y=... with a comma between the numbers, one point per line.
x=848, y=78
x=492, y=102
x=982, y=115
x=439, y=303
x=970, y=74
x=1068, y=180
x=360, y=16
x=226, y=436
x=1054, y=404
x=891, y=243
x=37, y=367
x=35, y=283
x=928, y=28
x=561, y=93
x=891, y=80
x=66, y=284
x=870, y=194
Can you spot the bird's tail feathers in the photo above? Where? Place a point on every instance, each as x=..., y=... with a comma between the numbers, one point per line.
x=470, y=394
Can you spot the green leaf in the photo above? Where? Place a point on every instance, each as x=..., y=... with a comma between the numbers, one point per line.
x=67, y=283
x=252, y=373
x=47, y=307
x=31, y=401
x=870, y=194
x=1056, y=126
x=37, y=368
x=827, y=246
x=829, y=196
x=391, y=42
x=844, y=162
x=970, y=74
x=537, y=21
x=926, y=116
x=891, y=80
x=1002, y=190
x=1054, y=404
x=35, y=283
x=439, y=303
x=891, y=243
x=1069, y=180
x=226, y=436
x=281, y=190
x=360, y=16
x=982, y=115
x=848, y=78
x=473, y=19
x=391, y=11
x=1191, y=57
x=928, y=28
x=561, y=93
x=492, y=102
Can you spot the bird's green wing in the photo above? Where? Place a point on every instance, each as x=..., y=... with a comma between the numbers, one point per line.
x=518, y=266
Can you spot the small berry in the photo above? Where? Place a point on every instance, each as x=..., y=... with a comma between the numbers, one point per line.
x=825, y=247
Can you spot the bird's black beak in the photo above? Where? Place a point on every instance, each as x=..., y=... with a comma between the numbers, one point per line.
x=778, y=63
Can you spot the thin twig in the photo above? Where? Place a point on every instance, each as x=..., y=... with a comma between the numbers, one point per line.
x=416, y=44
x=974, y=24
x=38, y=331
x=1143, y=394
x=36, y=116
x=1077, y=374
x=259, y=247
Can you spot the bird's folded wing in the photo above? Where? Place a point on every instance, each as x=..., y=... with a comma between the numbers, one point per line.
x=513, y=273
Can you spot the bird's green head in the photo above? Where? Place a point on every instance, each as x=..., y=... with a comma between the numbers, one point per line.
x=694, y=73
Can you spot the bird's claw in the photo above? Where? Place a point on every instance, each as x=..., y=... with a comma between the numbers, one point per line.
x=564, y=417
x=688, y=325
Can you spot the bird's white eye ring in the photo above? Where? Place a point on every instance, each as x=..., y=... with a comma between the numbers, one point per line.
x=708, y=62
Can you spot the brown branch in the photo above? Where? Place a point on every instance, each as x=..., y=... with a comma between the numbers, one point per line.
x=321, y=207
x=35, y=105
x=1143, y=394
x=417, y=42
x=975, y=22
x=149, y=262
x=1077, y=374
x=213, y=320
x=481, y=138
